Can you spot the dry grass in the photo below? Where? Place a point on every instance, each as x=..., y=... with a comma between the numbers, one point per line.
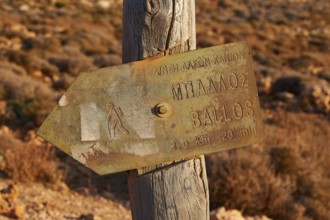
x=27, y=100
x=286, y=178
x=32, y=161
x=244, y=180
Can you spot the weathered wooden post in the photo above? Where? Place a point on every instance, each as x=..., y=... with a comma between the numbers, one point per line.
x=176, y=190
x=153, y=115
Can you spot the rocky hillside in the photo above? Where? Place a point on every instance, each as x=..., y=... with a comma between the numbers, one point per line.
x=44, y=44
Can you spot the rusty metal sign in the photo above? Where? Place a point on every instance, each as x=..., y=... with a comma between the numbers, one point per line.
x=159, y=110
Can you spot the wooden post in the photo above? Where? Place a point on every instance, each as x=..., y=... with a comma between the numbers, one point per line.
x=177, y=190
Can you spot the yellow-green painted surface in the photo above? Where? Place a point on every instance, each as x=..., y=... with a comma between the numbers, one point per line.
x=159, y=110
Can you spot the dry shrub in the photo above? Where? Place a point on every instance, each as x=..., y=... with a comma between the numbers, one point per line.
x=285, y=160
x=72, y=65
x=244, y=180
x=305, y=159
x=31, y=110
x=287, y=177
x=31, y=62
x=29, y=162
x=21, y=87
x=27, y=99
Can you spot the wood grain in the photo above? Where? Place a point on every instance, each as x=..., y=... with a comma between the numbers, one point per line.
x=176, y=190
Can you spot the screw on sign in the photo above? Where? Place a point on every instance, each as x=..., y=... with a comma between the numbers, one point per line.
x=133, y=113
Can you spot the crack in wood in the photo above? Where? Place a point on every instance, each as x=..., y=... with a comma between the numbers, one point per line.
x=160, y=192
x=167, y=45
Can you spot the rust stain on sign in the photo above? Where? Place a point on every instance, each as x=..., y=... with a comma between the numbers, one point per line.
x=153, y=111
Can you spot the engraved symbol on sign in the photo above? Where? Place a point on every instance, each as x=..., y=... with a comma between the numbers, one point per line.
x=91, y=151
x=114, y=120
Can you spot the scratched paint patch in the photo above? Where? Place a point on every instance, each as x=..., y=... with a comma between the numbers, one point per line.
x=140, y=148
x=90, y=129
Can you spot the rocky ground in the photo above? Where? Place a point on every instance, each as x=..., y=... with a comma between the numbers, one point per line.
x=35, y=201
x=44, y=45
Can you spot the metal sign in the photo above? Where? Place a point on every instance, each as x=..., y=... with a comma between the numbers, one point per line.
x=159, y=110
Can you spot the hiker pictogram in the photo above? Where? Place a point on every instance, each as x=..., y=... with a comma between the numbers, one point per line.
x=114, y=121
